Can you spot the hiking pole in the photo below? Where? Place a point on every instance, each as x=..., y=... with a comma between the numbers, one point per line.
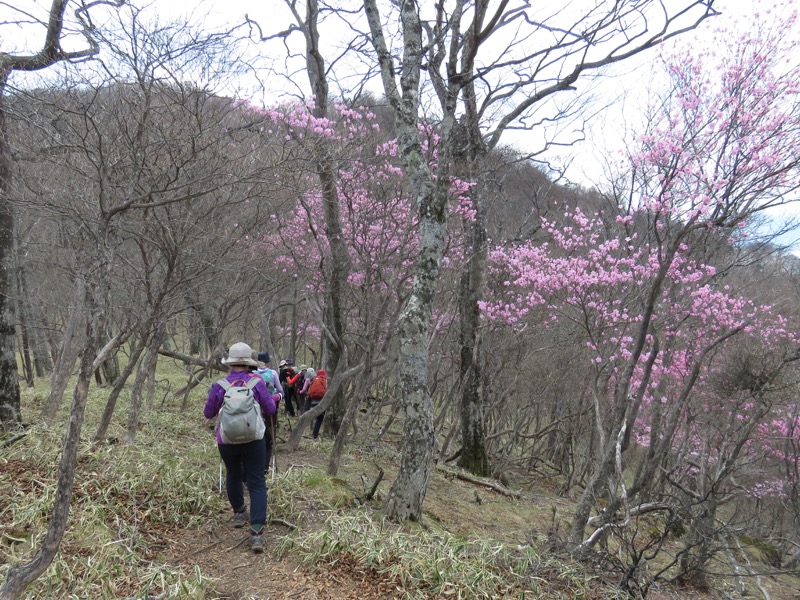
x=220, y=476
x=274, y=446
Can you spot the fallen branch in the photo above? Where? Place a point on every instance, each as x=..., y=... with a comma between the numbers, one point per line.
x=290, y=526
x=371, y=493
x=212, y=361
x=454, y=456
x=500, y=489
x=635, y=511
x=14, y=440
x=239, y=543
x=190, y=554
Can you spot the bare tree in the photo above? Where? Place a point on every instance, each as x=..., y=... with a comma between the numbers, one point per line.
x=130, y=177
x=51, y=53
x=333, y=319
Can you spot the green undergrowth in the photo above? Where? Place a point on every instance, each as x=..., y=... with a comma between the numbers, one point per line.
x=433, y=563
x=127, y=500
x=470, y=544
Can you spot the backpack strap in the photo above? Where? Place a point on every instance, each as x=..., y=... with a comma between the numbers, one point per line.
x=250, y=383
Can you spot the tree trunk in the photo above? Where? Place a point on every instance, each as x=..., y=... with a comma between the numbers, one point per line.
x=293, y=325
x=407, y=494
x=110, y=367
x=10, y=411
x=334, y=322
x=195, y=325
x=698, y=547
x=338, y=445
x=24, y=328
x=21, y=576
x=116, y=390
x=150, y=363
x=42, y=362
x=67, y=355
x=587, y=500
x=337, y=272
x=473, y=428
x=142, y=375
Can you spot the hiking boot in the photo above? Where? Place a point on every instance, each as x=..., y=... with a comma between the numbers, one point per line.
x=257, y=542
x=240, y=518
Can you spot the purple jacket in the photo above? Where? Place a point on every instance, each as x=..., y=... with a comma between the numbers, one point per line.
x=216, y=395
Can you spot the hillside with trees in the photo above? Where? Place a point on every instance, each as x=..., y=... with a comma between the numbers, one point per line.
x=611, y=372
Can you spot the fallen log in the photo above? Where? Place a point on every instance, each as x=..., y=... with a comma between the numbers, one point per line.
x=497, y=487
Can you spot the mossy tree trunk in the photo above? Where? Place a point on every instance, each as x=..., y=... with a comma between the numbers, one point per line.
x=406, y=496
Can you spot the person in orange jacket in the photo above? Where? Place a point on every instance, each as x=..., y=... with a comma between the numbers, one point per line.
x=285, y=372
x=300, y=383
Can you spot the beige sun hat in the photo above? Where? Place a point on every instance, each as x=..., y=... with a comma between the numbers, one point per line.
x=240, y=354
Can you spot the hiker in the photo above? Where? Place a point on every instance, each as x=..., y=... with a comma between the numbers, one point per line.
x=285, y=372
x=316, y=391
x=243, y=458
x=297, y=382
x=303, y=393
x=270, y=377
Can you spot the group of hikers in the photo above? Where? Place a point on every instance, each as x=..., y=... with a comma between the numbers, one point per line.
x=246, y=405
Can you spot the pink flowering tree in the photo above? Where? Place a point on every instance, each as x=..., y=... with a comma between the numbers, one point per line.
x=376, y=216
x=371, y=216
x=656, y=319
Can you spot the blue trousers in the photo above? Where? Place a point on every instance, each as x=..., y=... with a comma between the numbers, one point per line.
x=246, y=460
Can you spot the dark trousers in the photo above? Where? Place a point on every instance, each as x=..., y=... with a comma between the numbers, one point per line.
x=246, y=460
x=291, y=398
x=317, y=421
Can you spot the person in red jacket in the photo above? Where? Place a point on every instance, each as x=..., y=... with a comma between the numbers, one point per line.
x=316, y=391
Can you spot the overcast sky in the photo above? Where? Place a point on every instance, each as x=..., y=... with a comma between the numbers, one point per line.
x=606, y=132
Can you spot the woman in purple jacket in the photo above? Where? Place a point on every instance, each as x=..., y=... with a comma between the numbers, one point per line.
x=248, y=460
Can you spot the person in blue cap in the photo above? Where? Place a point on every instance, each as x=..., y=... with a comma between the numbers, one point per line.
x=270, y=377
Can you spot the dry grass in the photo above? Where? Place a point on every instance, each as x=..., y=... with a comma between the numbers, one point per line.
x=131, y=500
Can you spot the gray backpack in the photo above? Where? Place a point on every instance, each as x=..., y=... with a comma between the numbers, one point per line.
x=240, y=419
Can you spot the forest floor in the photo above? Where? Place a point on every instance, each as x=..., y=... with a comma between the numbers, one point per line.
x=223, y=553
x=148, y=521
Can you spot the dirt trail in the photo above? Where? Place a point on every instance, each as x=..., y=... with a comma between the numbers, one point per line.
x=223, y=553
